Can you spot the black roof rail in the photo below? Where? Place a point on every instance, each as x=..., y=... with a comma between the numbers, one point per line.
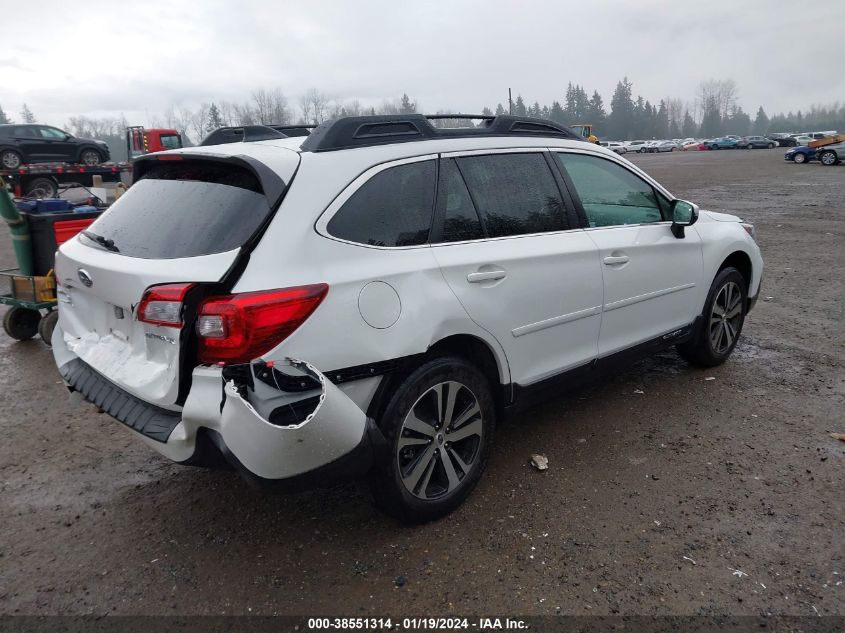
x=250, y=133
x=366, y=131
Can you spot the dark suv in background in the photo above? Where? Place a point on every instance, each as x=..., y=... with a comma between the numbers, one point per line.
x=34, y=143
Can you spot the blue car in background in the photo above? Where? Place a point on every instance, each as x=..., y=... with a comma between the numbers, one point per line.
x=800, y=154
x=726, y=142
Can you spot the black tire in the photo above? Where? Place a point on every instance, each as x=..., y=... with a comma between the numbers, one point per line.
x=42, y=188
x=21, y=323
x=771, y=146
x=701, y=350
x=10, y=159
x=46, y=326
x=90, y=157
x=415, y=393
x=828, y=158
x=800, y=158
x=714, y=147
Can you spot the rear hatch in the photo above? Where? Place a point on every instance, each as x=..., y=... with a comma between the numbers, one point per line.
x=186, y=220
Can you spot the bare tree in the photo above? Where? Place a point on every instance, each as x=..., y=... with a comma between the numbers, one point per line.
x=313, y=105
x=197, y=122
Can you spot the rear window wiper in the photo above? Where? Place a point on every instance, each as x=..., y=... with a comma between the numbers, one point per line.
x=102, y=241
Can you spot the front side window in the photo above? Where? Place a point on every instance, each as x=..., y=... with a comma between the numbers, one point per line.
x=393, y=208
x=515, y=194
x=610, y=194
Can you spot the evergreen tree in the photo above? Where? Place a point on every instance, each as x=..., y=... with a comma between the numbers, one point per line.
x=711, y=121
x=689, y=128
x=3, y=118
x=582, y=105
x=569, y=105
x=406, y=106
x=500, y=109
x=595, y=111
x=738, y=121
x=27, y=115
x=214, y=119
x=487, y=111
x=556, y=113
x=661, y=121
x=761, y=123
x=621, y=119
x=534, y=110
x=519, y=108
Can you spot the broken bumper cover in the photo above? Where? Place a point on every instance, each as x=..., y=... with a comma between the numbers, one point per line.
x=324, y=437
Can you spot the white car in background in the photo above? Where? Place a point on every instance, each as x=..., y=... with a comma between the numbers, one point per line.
x=634, y=146
x=368, y=301
x=617, y=147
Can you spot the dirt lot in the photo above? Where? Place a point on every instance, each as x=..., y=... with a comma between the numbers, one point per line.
x=711, y=492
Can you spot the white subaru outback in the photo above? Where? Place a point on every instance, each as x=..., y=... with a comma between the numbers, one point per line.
x=368, y=301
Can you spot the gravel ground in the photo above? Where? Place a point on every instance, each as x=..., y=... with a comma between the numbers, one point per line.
x=711, y=492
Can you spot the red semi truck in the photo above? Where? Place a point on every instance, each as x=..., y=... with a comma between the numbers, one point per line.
x=42, y=180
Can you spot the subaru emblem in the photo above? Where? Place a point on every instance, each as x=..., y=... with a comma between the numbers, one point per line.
x=85, y=278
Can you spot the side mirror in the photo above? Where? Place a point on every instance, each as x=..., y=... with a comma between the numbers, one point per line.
x=683, y=214
x=68, y=136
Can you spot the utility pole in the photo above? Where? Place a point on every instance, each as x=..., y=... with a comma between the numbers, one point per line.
x=510, y=102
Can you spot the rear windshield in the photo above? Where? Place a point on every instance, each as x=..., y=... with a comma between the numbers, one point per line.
x=185, y=209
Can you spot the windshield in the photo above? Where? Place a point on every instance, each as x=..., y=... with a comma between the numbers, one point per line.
x=183, y=209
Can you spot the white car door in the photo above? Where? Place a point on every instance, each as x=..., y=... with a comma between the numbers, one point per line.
x=651, y=277
x=503, y=241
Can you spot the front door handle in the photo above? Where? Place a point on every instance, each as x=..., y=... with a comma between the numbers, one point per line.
x=487, y=275
x=613, y=260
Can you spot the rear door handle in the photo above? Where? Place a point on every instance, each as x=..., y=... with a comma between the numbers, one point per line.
x=487, y=275
x=612, y=260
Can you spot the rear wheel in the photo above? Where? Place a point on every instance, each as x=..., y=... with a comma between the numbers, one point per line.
x=21, y=323
x=800, y=158
x=10, y=159
x=723, y=317
x=42, y=188
x=771, y=146
x=46, y=326
x=90, y=157
x=828, y=158
x=439, y=424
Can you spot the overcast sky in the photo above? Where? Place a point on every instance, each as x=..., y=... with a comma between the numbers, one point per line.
x=104, y=58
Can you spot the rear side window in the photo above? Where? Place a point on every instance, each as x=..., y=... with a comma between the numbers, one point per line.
x=460, y=219
x=393, y=208
x=24, y=132
x=515, y=194
x=185, y=209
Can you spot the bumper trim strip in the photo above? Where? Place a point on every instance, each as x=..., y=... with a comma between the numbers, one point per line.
x=149, y=420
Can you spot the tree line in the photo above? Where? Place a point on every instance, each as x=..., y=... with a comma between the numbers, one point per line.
x=714, y=111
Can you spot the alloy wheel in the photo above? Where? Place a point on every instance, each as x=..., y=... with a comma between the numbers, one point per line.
x=11, y=160
x=440, y=440
x=725, y=317
x=828, y=158
x=90, y=158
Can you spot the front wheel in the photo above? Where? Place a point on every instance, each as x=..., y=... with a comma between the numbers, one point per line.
x=21, y=323
x=722, y=320
x=771, y=146
x=90, y=157
x=800, y=158
x=828, y=158
x=439, y=424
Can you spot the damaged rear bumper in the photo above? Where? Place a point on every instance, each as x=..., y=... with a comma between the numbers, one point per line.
x=285, y=427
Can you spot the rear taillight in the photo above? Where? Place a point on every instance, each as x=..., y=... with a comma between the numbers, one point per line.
x=162, y=305
x=241, y=327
